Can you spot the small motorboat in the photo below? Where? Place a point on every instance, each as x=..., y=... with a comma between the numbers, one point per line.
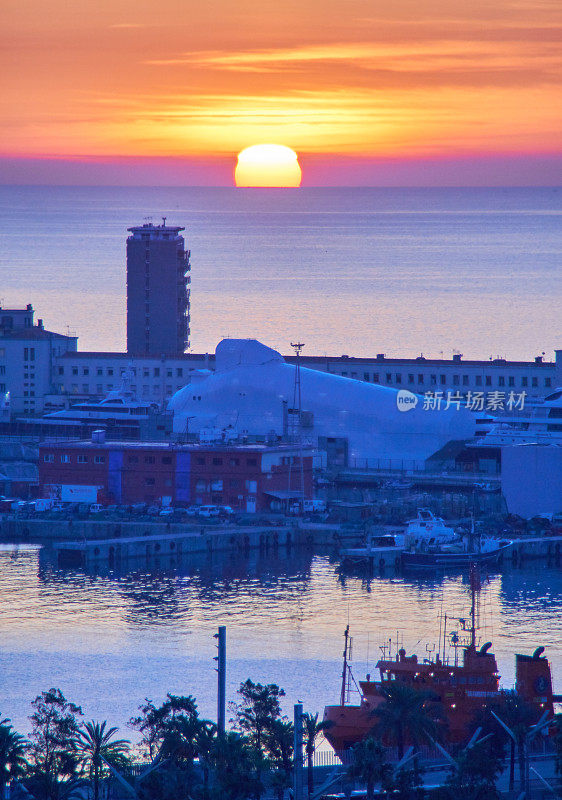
x=380, y=550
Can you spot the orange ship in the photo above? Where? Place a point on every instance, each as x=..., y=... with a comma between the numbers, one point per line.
x=461, y=689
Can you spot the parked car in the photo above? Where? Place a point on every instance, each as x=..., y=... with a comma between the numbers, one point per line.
x=226, y=511
x=167, y=511
x=191, y=511
x=96, y=508
x=209, y=511
x=153, y=511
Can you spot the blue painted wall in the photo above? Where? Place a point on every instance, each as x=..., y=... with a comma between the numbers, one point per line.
x=183, y=477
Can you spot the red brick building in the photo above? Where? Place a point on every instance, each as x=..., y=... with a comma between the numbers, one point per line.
x=246, y=477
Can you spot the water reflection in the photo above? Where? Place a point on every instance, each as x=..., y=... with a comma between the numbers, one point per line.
x=110, y=637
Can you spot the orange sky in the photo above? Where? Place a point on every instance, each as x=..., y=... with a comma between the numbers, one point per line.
x=354, y=78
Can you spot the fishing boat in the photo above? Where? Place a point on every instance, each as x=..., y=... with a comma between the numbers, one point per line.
x=457, y=554
x=462, y=677
x=379, y=550
x=428, y=529
x=434, y=545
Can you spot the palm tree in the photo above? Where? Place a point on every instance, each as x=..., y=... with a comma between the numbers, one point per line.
x=95, y=745
x=312, y=730
x=369, y=764
x=407, y=713
x=12, y=755
x=279, y=742
x=205, y=743
x=519, y=715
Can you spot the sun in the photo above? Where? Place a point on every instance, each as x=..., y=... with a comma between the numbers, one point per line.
x=268, y=165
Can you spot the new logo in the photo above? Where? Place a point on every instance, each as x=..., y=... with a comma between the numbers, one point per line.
x=405, y=400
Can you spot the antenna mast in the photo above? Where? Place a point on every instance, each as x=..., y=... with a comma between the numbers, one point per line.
x=296, y=427
x=475, y=586
x=345, y=668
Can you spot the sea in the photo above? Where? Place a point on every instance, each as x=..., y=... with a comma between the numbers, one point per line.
x=345, y=270
x=108, y=639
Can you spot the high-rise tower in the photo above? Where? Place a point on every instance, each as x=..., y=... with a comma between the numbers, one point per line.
x=157, y=290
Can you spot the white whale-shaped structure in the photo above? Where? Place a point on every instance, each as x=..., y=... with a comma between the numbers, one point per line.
x=253, y=387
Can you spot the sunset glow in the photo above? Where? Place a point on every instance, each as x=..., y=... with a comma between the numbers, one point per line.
x=268, y=165
x=456, y=82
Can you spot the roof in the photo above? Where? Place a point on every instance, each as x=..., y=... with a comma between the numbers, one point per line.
x=19, y=471
x=130, y=356
x=283, y=495
x=172, y=447
x=34, y=334
x=305, y=360
x=421, y=360
x=449, y=450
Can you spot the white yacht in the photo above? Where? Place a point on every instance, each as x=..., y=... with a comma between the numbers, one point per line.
x=537, y=423
x=118, y=405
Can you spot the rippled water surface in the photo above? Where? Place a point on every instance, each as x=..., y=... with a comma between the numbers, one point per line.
x=109, y=639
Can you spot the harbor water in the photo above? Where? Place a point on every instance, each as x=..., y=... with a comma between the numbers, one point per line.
x=109, y=639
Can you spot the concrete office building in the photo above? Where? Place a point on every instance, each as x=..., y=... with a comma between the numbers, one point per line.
x=27, y=360
x=62, y=375
x=157, y=291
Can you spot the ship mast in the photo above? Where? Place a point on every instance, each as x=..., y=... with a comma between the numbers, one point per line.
x=474, y=605
x=345, y=668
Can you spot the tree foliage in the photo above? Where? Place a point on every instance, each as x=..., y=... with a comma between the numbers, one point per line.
x=53, y=738
x=12, y=754
x=476, y=773
x=312, y=730
x=407, y=714
x=155, y=722
x=96, y=745
x=237, y=764
x=258, y=708
x=369, y=765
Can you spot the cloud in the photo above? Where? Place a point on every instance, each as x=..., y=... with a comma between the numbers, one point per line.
x=446, y=62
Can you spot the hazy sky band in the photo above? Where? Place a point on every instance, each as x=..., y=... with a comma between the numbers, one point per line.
x=344, y=79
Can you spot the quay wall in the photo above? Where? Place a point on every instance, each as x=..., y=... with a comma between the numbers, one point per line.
x=225, y=537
